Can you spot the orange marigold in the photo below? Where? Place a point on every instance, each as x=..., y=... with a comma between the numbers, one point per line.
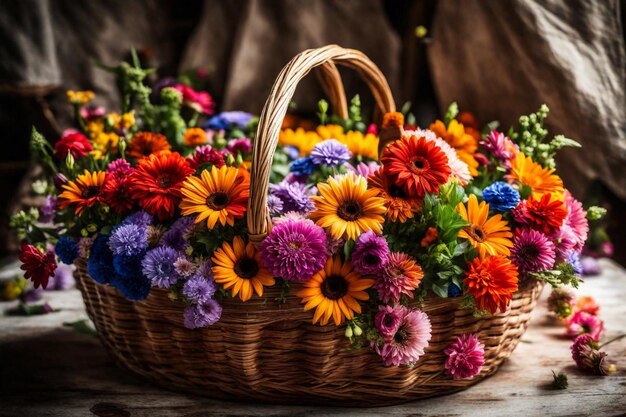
x=144, y=144
x=492, y=281
x=464, y=143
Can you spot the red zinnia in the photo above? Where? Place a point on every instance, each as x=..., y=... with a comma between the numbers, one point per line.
x=38, y=266
x=156, y=183
x=416, y=164
x=206, y=154
x=116, y=194
x=545, y=214
x=72, y=142
x=492, y=281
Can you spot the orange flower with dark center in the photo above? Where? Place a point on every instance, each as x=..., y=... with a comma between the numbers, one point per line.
x=489, y=235
x=465, y=144
x=417, y=165
x=195, y=137
x=144, y=144
x=157, y=181
x=492, y=281
x=84, y=192
x=400, y=206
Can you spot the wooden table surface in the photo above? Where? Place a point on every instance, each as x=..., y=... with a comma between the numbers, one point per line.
x=50, y=369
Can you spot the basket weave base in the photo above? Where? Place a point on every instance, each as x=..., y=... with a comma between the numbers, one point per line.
x=269, y=352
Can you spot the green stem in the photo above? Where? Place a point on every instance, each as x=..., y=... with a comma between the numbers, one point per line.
x=612, y=340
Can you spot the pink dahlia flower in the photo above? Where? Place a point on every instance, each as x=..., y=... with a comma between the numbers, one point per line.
x=584, y=323
x=577, y=220
x=466, y=357
x=407, y=344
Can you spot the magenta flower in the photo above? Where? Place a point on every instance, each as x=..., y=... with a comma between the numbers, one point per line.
x=577, y=220
x=240, y=146
x=500, y=146
x=200, y=101
x=584, y=323
x=532, y=251
x=119, y=169
x=466, y=357
x=370, y=254
x=294, y=250
x=587, y=356
x=407, y=344
x=388, y=320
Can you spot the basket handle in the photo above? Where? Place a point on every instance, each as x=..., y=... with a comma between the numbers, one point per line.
x=259, y=222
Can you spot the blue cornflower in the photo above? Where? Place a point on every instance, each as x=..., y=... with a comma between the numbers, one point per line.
x=303, y=166
x=66, y=249
x=100, y=262
x=229, y=119
x=134, y=288
x=128, y=265
x=158, y=266
x=330, y=152
x=454, y=290
x=129, y=239
x=501, y=196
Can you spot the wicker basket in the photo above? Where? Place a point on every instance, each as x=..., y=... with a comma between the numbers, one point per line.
x=267, y=351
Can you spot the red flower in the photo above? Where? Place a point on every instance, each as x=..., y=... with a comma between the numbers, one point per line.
x=416, y=164
x=492, y=281
x=156, y=183
x=38, y=266
x=545, y=214
x=206, y=154
x=116, y=194
x=200, y=101
x=72, y=142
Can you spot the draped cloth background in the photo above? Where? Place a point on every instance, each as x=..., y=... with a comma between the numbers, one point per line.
x=497, y=59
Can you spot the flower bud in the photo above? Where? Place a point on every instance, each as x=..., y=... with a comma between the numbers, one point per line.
x=348, y=332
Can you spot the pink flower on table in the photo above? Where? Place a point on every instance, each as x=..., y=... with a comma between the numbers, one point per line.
x=466, y=357
x=582, y=323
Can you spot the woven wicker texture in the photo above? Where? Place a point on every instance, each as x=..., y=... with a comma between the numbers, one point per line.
x=268, y=351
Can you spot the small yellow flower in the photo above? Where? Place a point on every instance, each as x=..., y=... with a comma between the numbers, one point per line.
x=364, y=146
x=300, y=139
x=123, y=121
x=80, y=97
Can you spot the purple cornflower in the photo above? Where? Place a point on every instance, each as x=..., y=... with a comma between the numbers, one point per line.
x=140, y=218
x=158, y=266
x=129, y=239
x=532, y=251
x=48, y=209
x=330, y=152
x=274, y=205
x=295, y=250
x=371, y=254
x=202, y=315
x=175, y=237
x=294, y=196
x=199, y=289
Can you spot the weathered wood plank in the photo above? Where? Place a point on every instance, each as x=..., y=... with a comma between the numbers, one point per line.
x=51, y=370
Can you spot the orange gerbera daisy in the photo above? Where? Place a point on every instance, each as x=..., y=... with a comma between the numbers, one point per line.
x=84, y=192
x=416, y=164
x=219, y=195
x=470, y=124
x=157, y=181
x=144, y=144
x=239, y=268
x=492, y=281
x=464, y=144
x=334, y=292
x=195, y=136
x=400, y=206
x=347, y=208
x=526, y=172
x=489, y=235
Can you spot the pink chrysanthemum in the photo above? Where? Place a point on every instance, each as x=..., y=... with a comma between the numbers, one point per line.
x=584, y=323
x=587, y=356
x=460, y=170
x=532, y=251
x=388, y=320
x=466, y=357
x=577, y=220
x=240, y=146
x=370, y=254
x=206, y=154
x=565, y=240
x=295, y=250
x=401, y=275
x=407, y=344
x=119, y=169
x=500, y=146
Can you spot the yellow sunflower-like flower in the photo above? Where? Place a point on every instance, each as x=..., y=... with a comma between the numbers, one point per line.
x=84, y=192
x=334, y=292
x=239, y=268
x=122, y=121
x=105, y=143
x=489, y=235
x=301, y=139
x=526, y=172
x=346, y=208
x=464, y=143
x=330, y=131
x=219, y=195
x=365, y=146
x=80, y=97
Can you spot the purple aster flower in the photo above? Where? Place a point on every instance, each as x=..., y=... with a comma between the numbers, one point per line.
x=129, y=239
x=295, y=196
x=48, y=210
x=175, y=237
x=274, y=204
x=363, y=169
x=184, y=267
x=119, y=169
x=330, y=152
x=532, y=251
x=590, y=266
x=388, y=320
x=140, y=218
x=295, y=250
x=199, y=289
x=371, y=254
x=498, y=144
x=63, y=278
x=240, y=146
x=292, y=152
x=205, y=269
x=158, y=266
x=202, y=315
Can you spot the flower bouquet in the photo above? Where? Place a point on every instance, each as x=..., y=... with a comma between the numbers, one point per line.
x=353, y=263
